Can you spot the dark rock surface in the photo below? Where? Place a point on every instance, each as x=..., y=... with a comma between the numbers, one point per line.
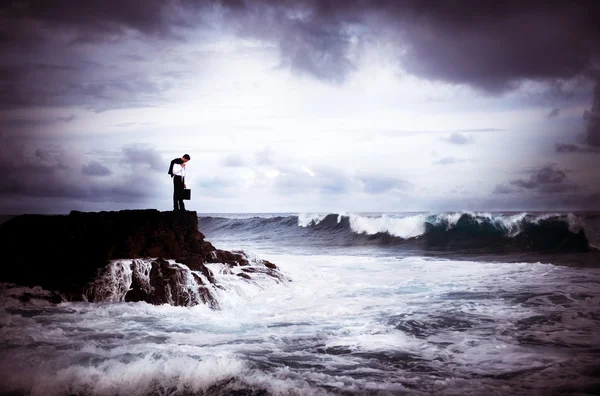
x=69, y=254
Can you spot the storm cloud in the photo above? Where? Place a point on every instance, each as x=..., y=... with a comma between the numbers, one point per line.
x=184, y=73
x=493, y=47
x=502, y=189
x=547, y=180
x=59, y=172
x=574, y=148
x=592, y=119
x=490, y=46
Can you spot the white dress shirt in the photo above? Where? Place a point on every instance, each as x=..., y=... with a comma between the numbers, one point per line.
x=179, y=170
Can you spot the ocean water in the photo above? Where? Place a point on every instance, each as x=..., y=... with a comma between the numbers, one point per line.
x=374, y=304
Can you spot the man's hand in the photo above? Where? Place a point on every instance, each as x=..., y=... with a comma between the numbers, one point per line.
x=184, y=185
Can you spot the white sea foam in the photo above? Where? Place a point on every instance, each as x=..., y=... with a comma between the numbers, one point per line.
x=404, y=227
x=115, y=281
x=350, y=324
x=308, y=219
x=149, y=373
x=412, y=226
x=401, y=226
x=576, y=223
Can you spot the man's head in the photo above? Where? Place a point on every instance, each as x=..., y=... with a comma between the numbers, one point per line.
x=186, y=157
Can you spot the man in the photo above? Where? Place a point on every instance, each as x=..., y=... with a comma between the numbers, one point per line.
x=177, y=172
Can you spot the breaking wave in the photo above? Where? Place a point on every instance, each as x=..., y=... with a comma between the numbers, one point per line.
x=548, y=232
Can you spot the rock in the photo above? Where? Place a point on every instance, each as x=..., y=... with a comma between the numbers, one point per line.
x=266, y=271
x=269, y=264
x=196, y=263
x=170, y=285
x=70, y=254
x=140, y=289
x=231, y=258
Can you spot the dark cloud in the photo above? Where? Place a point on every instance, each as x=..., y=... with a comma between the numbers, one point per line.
x=105, y=20
x=50, y=160
x=493, y=47
x=592, y=119
x=558, y=188
x=20, y=123
x=490, y=46
x=50, y=173
x=546, y=180
x=458, y=138
x=122, y=91
x=313, y=38
x=566, y=148
x=574, y=148
x=566, y=201
x=95, y=168
x=92, y=86
x=547, y=175
x=574, y=201
x=553, y=113
x=32, y=84
x=502, y=189
x=320, y=51
x=45, y=64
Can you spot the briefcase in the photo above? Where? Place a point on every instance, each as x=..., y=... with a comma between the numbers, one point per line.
x=187, y=193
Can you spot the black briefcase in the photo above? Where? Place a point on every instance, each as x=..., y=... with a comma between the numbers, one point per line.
x=187, y=193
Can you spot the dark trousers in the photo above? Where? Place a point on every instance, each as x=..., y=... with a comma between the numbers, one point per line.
x=178, y=193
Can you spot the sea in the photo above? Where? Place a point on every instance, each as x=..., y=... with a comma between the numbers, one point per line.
x=454, y=303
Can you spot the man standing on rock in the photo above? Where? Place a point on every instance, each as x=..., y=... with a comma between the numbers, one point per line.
x=177, y=172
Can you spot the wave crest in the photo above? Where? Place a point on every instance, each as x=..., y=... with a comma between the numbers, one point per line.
x=552, y=232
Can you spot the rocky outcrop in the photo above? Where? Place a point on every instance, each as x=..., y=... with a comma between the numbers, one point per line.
x=130, y=255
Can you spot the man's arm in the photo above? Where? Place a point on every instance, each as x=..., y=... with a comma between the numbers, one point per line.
x=178, y=170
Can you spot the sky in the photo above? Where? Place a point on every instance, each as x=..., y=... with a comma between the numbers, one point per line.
x=300, y=106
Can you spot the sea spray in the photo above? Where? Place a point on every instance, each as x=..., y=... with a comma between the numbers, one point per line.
x=347, y=325
x=166, y=281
